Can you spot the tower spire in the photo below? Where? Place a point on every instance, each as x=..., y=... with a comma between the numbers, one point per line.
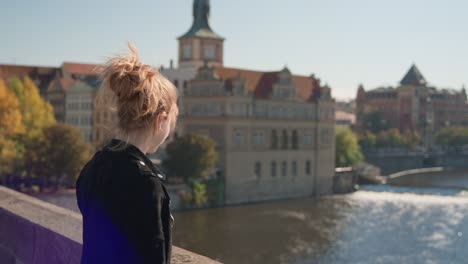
x=201, y=25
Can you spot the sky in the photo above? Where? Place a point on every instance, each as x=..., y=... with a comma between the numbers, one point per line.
x=344, y=43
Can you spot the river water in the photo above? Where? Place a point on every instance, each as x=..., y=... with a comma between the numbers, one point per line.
x=378, y=224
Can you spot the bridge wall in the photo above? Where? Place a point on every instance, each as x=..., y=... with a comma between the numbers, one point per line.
x=392, y=162
x=32, y=231
x=431, y=177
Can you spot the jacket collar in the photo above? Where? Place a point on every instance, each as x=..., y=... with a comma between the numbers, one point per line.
x=135, y=152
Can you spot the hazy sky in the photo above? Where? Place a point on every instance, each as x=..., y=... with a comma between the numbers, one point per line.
x=344, y=43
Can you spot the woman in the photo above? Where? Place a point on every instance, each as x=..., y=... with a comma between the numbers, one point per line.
x=125, y=206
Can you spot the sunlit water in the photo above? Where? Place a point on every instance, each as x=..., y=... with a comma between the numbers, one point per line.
x=374, y=225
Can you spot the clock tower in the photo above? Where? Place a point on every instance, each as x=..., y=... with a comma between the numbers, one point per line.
x=200, y=44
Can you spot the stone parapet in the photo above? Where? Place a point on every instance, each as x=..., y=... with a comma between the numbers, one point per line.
x=33, y=231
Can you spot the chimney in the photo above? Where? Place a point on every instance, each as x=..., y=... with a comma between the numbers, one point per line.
x=171, y=64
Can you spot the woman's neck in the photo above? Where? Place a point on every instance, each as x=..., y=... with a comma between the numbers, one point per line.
x=138, y=141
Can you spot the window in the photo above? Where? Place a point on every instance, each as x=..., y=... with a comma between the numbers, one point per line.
x=274, y=139
x=284, y=140
x=176, y=83
x=295, y=140
x=284, y=168
x=209, y=52
x=258, y=169
x=187, y=52
x=308, y=167
x=238, y=138
x=294, y=168
x=259, y=138
x=307, y=138
x=273, y=169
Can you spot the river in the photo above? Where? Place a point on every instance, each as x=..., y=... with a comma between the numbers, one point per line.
x=376, y=225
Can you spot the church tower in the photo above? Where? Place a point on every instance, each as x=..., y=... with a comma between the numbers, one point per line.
x=200, y=44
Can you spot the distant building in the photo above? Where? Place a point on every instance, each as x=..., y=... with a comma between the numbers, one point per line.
x=71, y=94
x=67, y=88
x=274, y=130
x=200, y=45
x=415, y=105
x=41, y=76
x=345, y=119
x=348, y=106
x=79, y=107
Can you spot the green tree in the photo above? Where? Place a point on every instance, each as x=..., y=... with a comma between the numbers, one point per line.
x=390, y=138
x=191, y=156
x=374, y=121
x=411, y=139
x=454, y=137
x=199, y=194
x=367, y=140
x=60, y=153
x=348, y=151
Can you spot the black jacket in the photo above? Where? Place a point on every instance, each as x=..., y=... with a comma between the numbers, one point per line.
x=125, y=208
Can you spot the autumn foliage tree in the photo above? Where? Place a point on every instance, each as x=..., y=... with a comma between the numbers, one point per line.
x=31, y=144
x=11, y=126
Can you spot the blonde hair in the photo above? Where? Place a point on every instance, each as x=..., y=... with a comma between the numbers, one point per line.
x=134, y=94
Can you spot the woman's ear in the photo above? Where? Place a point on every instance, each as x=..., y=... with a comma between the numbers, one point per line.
x=160, y=119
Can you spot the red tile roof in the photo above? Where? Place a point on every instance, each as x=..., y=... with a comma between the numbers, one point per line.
x=63, y=83
x=8, y=71
x=261, y=83
x=81, y=68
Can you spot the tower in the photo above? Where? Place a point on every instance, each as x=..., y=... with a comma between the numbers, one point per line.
x=200, y=44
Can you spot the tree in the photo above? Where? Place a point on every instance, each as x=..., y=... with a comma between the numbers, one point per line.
x=390, y=138
x=411, y=139
x=35, y=114
x=374, y=121
x=454, y=137
x=11, y=126
x=199, y=194
x=61, y=152
x=191, y=156
x=367, y=140
x=348, y=151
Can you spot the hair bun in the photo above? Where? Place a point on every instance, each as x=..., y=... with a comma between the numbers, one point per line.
x=126, y=74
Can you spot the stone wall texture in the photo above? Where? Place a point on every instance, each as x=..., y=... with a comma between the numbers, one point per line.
x=32, y=231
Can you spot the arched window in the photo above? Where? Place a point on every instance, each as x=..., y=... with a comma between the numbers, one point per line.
x=274, y=139
x=284, y=140
x=295, y=140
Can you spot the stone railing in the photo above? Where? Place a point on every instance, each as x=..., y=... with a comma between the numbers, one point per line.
x=32, y=231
